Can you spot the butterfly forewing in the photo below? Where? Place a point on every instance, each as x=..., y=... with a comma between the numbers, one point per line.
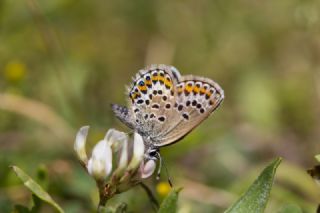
x=152, y=97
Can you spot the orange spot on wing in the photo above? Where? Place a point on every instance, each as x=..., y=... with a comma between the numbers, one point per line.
x=142, y=88
x=208, y=94
x=167, y=83
x=154, y=77
x=180, y=90
x=160, y=78
x=196, y=89
x=202, y=90
x=148, y=83
x=188, y=88
x=135, y=95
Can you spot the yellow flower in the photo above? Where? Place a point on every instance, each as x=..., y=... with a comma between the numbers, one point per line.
x=14, y=70
x=163, y=188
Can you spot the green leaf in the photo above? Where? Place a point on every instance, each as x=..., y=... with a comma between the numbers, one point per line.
x=256, y=197
x=121, y=208
x=103, y=209
x=169, y=204
x=35, y=188
x=290, y=208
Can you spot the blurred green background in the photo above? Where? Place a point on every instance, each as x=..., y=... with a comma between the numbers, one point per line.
x=63, y=62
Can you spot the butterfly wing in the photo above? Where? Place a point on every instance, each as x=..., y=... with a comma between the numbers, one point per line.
x=124, y=115
x=197, y=98
x=164, y=106
x=152, y=98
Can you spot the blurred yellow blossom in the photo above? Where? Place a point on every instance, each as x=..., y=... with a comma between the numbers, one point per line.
x=163, y=188
x=14, y=70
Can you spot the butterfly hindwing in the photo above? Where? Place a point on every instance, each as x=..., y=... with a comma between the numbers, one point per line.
x=197, y=98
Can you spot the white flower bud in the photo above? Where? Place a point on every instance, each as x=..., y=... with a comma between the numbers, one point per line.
x=138, y=152
x=119, y=144
x=115, y=145
x=80, y=144
x=100, y=163
x=123, y=161
x=115, y=138
x=147, y=169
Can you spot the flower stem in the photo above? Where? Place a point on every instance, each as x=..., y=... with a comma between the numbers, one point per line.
x=151, y=196
x=103, y=198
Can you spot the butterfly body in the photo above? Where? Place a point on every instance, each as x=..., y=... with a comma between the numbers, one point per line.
x=164, y=106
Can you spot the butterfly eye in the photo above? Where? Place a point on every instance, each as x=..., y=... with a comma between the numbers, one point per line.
x=148, y=78
x=153, y=153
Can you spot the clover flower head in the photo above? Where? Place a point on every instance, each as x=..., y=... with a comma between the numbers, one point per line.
x=117, y=162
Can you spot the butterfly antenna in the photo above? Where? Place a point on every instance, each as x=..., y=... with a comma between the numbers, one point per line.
x=168, y=176
x=160, y=166
x=161, y=162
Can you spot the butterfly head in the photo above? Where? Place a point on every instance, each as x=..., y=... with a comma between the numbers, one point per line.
x=152, y=154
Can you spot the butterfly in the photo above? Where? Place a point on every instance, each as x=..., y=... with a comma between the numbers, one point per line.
x=165, y=106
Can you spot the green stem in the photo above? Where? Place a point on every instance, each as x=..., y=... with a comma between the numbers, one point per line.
x=151, y=196
x=103, y=198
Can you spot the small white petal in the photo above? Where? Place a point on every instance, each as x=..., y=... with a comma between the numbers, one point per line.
x=119, y=143
x=123, y=161
x=80, y=144
x=100, y=164
x=148, y=169
x=138, y=148
x=138, y=151
x=115, y=138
